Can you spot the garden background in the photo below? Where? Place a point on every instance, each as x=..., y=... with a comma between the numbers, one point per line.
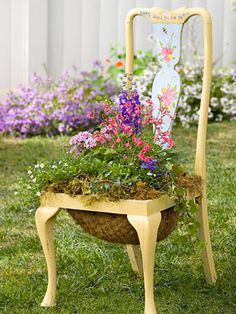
x=67, y=33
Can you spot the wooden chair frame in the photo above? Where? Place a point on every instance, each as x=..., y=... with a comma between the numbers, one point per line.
x=145, y=216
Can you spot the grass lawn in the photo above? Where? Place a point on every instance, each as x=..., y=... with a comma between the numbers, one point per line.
x=96, y=277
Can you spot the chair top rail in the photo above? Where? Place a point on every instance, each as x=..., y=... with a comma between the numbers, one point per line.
x=163, y=16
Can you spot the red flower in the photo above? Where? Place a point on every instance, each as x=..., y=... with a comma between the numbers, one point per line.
x=119, y=64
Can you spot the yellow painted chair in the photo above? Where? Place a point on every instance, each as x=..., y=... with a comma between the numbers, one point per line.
x=145, y=216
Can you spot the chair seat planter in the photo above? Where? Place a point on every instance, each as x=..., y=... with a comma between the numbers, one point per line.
x=108, y=220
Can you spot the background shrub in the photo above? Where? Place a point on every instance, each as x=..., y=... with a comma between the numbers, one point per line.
x=57, y=107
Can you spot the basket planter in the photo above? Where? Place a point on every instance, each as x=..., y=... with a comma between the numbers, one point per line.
x=108, y=220
x=116, y=227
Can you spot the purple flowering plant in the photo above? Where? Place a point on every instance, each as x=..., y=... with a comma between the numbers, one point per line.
x=62, y=106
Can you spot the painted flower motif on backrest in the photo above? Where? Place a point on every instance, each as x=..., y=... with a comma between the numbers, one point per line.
x=166, y=85
x=167, y=48
x=168, y=97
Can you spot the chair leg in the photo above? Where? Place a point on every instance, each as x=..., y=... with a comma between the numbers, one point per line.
x=135, y=257
x=45, y=217
x=209, y=265
x=147, y=228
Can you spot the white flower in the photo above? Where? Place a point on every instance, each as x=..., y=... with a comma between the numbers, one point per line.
x=36, y=166
x=59, y=162
x=65, y=164
x=149, y=174
x=41, y=165
x=219, y=117
x=210, y=115
x=38, y=193
x=29, y=172
x=141, y=54
x=54, y=166
x=15, y=193
x=34, y=180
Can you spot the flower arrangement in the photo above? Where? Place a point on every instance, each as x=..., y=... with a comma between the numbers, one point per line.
x=50, y=107
x=122, y=159
x=223, y=91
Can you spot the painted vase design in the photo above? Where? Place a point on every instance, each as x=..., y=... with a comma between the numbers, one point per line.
x=166, y=85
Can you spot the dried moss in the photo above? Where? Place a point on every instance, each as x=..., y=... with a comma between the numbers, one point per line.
x=93, y=190
x=192, y=184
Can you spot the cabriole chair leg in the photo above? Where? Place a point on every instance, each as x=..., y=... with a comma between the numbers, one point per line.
x=45, y=218
x=147, y=229
x=208, y=260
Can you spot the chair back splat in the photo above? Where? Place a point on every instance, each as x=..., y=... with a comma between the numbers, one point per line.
x=166, y=86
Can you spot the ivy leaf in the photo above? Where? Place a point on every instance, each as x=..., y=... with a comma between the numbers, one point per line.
x=106, y=187
x=117, y=182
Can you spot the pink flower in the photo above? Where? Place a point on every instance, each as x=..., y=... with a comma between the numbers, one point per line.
x=118, y=140
x=168, y=96
x=82, y=140
x=91, y=115
x=144, y=158
x=141, y=156
x=103, y=136
x=167, y=53
x=146, y=148
x=128, y=144
x=107, y=108
x=127, y=129
x=138, y=141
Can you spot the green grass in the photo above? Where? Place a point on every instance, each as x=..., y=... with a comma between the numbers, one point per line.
x=96, y=277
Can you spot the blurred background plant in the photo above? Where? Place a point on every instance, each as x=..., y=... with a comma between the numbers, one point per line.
x=50, y=107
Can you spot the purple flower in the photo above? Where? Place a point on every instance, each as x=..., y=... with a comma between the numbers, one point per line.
x=56, y=107
x=150, y=165
x=129, y=106
x=82, y=140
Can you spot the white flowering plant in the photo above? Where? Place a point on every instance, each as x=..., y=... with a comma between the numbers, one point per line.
x=223, y=89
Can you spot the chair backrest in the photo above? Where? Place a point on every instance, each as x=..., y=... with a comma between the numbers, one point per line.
x=166, y=86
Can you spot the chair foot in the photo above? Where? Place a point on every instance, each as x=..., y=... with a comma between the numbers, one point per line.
x=147, y=229
x=208, y=260
x=135, y=257
x=45, y=218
